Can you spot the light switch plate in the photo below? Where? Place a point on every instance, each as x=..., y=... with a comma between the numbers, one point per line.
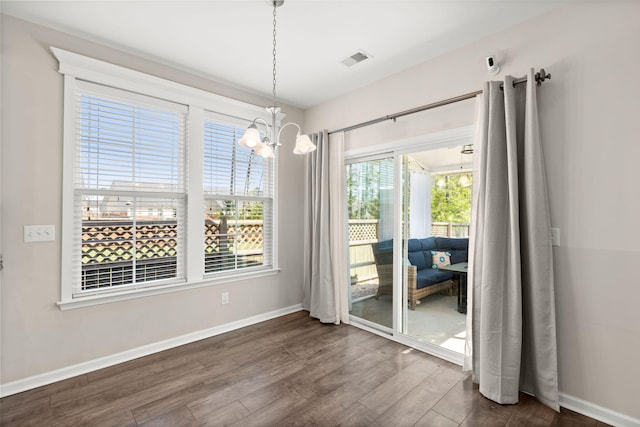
x=39, y=233
x=555, y=236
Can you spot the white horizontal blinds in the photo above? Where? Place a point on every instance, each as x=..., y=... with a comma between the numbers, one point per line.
x=230, y=169
x=238, y=187
x=134, y=143
x=129, y=189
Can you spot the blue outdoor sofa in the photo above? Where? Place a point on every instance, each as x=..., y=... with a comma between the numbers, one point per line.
x=423, y=279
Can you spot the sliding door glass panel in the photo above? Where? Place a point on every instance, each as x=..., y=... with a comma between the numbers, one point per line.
x=370, y=196
x=436, y=195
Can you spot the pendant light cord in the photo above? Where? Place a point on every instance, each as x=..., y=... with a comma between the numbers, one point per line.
x=274, y=53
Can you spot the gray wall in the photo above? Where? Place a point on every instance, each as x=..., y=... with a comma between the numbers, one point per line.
x=589, y=114
x=36, y=336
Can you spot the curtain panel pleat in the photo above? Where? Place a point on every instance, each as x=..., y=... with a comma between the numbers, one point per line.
x=512, y=344
x=325, y=259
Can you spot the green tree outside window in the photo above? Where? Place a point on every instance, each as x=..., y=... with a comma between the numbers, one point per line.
x=451, y=201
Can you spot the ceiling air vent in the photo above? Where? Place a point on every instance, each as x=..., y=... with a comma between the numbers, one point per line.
x=359, y=56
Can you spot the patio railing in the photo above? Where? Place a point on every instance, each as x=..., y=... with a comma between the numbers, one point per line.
x=449, y=229
x=364, y=232
x=110, y=246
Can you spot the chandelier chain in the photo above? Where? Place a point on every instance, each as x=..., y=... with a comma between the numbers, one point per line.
x=267, y=145
x=274, y=53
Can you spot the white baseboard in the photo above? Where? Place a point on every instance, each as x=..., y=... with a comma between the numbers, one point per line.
x=597, y=412
x=125, y=356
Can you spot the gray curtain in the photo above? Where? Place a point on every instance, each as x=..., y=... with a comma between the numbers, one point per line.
x=325, y=293
x=512, y=345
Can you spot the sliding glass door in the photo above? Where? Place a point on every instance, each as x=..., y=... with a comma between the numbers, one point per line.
x=370, y=206
x=411, y=209
x=436, y=209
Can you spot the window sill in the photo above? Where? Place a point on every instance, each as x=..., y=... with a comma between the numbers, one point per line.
x=106, y=298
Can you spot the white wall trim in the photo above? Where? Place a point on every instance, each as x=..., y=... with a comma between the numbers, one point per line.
x=108, y=297
x=597, y=412
x=125, y=356
x=93, y=70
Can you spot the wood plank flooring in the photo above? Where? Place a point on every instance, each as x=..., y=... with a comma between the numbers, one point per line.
x=290, y=371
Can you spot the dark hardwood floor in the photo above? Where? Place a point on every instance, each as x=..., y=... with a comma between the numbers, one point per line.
x=290, y=371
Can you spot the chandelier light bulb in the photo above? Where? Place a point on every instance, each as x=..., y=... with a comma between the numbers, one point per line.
x=266, y=151
x=251, y=138
x=303, y=144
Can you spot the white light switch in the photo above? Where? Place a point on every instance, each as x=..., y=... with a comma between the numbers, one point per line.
x=555, y=236
x=39, y=233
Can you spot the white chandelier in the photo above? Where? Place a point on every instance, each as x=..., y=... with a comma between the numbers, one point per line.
x=267, y=145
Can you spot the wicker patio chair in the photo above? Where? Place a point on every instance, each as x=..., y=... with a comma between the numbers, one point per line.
x=385, y=284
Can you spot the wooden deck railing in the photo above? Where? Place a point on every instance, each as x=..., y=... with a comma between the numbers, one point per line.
x=364, y=232
x=111, y=248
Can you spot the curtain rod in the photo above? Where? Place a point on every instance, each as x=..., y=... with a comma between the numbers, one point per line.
x=540, y=77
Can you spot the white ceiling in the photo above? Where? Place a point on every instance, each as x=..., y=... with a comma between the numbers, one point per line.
x=231, y=41
x=444, y=160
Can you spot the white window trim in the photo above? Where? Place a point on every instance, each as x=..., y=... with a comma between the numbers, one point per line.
x=76, y=67
x=221, y=118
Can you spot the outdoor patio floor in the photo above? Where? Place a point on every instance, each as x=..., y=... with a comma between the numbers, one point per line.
x=435, y=320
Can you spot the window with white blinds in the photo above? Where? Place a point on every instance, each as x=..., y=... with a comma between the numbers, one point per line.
x=129, y=190
x=238, y=191
x=157, y=194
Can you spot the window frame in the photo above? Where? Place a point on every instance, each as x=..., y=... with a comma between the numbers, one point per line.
x=200, y=104
x=98, y=95
x=269, y=198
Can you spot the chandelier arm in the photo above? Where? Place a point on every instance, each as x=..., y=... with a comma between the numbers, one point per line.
x=287, y=124
x=269, y=133
x=263, y=122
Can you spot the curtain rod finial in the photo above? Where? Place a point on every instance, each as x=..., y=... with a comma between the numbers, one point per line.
x=542, y=76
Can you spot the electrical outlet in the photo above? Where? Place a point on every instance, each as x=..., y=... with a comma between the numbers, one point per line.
x=555, y=236
x=39, y=233
x=225, y=298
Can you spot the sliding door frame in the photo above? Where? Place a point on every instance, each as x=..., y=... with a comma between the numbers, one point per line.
x=398, y=149
x=360, y=322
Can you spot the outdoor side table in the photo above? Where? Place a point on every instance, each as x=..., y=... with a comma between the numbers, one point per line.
x=460, y=270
